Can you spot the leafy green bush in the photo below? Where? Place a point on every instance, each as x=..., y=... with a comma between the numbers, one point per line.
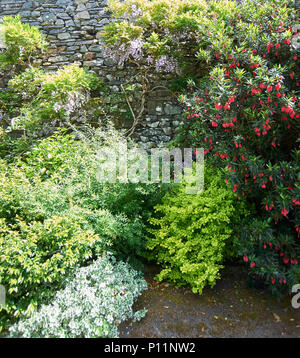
x=192, y=231
x=15, y=189
x=93, y=304
x=58, y=177
x=70, y=78
x=23, y=42
x=132, y=204
x=124, y=237
x=55, y=182
x=50, y=157
x=9, y=105
x=11, y=148
x=35, y=257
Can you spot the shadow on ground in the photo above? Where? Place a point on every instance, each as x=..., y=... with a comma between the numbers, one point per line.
x=230, y=309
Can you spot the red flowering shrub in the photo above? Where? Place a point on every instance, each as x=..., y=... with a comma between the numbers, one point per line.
x=246, y=116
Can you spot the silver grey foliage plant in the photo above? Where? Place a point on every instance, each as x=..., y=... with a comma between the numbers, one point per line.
x=94, y=302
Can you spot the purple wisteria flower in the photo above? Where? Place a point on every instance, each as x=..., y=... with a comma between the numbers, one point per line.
x=120, y=53
x=166, y=64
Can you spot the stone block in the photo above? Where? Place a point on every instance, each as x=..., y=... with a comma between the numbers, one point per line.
x=83, y=15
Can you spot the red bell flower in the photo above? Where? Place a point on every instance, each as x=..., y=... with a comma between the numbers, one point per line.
x=286, y=260
x=273, y=280
x=278, y=86
x=218, y=105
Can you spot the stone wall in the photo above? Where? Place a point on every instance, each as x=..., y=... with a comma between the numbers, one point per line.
x=73, y=29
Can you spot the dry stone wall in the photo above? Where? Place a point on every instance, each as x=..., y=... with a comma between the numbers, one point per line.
x=73, y=29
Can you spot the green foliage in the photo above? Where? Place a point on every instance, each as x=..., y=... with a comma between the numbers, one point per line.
x=67, y=79
x=11, y=148
x=9, y=104
x=122, y=235
x=15, y=190
x=191, y=233
x=36, y=257
x=57, y=214
x=50, y=157
x=23, y=42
